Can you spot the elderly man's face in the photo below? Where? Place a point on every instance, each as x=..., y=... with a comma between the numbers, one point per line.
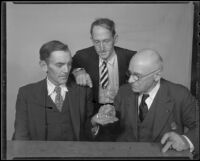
x=103, y=41
x=141, y=77
x=58, y=67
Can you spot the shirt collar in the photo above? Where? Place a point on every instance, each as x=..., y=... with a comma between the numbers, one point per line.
x=110, y=61
x=51, y=87
x=154, y=91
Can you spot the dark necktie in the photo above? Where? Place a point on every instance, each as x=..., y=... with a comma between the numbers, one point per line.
x=143, y=109
x=58, y=99
x=104, y=75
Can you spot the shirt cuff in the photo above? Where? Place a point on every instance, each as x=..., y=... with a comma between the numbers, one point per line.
x=190, y=143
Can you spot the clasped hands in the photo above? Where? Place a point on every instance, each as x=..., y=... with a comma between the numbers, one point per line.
x=105, y=115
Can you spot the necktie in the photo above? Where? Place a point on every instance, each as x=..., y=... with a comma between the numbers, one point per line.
x=143, y=109
x=58, y=99
x=104, y=75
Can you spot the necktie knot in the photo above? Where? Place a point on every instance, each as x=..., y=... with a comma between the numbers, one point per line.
x=57, y=89
x=144, y=97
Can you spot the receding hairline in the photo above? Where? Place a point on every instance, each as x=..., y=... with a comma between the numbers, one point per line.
x=150, y=55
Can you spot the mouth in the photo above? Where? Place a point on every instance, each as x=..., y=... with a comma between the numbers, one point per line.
x=133, y=87
x=63, y=77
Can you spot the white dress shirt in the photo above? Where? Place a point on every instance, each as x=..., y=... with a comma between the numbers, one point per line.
x=51, y=90
x=113, y=76
x=151, y=97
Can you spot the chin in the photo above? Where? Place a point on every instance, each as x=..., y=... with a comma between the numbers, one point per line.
x=63, y=82
x=135, y=90
x=104, y=56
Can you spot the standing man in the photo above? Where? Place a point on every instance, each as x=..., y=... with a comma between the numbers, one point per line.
x=54, y=108
x=102, y=66
x=152, y=109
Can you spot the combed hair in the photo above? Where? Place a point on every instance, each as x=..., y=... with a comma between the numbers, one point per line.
x=106, y=23
x=50, y=47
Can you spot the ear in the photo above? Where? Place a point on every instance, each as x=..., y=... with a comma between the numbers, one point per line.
x=158, y=76
x=115, y=38
x=43, y=65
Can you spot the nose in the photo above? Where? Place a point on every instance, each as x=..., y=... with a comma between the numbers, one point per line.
x=132, y=79
x=66, y=68
x=101, y=46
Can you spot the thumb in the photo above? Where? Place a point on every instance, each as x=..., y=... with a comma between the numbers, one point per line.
x=165, y=138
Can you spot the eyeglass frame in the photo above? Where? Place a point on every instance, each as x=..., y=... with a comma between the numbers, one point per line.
x=106, y=41
x=139, y=78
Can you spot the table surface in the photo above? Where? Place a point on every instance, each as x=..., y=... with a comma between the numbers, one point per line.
x=71, y=149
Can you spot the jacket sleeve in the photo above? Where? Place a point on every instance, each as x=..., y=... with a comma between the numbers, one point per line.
x=89, y=108
x=21, y=118
x=190, y=115
x=77, y=61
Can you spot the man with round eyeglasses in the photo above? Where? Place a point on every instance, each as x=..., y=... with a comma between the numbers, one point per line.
x=153, y=109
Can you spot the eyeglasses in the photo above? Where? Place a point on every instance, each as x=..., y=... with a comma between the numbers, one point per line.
x=139, y=77
x=98, y=42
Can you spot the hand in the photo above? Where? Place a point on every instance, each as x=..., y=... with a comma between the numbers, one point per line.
x=102, y=119
x=82, y=78
x=108, y=110
x=175, y=141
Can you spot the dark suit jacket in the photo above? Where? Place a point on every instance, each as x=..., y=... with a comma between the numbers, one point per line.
x=174, y=104
x=30, y=111
x=89, y=60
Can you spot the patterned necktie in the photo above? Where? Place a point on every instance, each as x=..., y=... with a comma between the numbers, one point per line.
x=143, y=109
x=58, y=99
x=104, y=75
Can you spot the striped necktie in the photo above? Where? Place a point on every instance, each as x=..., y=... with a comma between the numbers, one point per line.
x=58, y=99
x=104, y=75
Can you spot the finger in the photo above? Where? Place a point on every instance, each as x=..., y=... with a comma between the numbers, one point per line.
x=82, y=81
x=88, y=81
x=165, y=138
x=167, y=146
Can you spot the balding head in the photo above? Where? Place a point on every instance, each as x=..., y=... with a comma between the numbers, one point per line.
x=147, y=60
x=146, y=68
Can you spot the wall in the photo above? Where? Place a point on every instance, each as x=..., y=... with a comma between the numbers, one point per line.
x=167, y=28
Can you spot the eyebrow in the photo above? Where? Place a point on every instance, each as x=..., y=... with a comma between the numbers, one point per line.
x=134, y=73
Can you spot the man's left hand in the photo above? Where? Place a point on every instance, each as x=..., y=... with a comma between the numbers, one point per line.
x=175, y=141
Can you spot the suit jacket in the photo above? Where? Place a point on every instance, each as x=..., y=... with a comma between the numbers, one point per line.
x=176, y=108
x=30, y=122
x=89, y=60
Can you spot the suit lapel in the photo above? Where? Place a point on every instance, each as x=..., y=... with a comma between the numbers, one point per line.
x=94, y=71
x=164, y=106
x=38, y=109
x=120, y=65
x=72, y=96
x=133, y=112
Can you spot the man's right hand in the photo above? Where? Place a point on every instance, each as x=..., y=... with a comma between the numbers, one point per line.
x=82, y=78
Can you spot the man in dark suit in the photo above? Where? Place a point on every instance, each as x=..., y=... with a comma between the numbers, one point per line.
x=54, y=109
x=152, y=109
x=88, y=64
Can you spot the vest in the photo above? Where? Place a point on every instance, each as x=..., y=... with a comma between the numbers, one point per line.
x=145, y=128
x=59, y=124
